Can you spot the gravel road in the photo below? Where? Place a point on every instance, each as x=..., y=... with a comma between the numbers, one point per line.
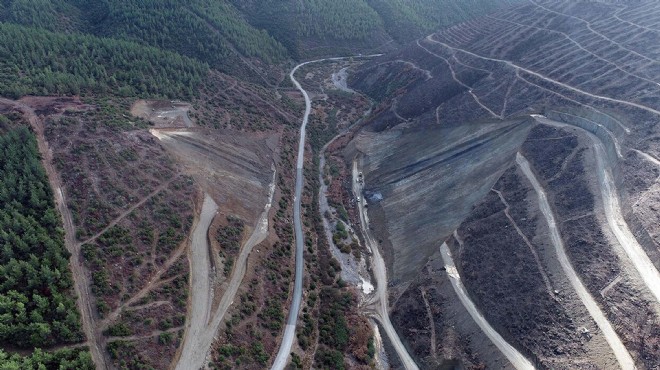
x=516, y=358
x=620, y=351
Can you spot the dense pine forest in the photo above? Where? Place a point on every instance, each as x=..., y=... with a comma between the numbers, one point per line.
x=63, y=359
x=39, y=62
x=37, y=306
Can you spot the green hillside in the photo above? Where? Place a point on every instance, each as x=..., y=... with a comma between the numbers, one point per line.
x=44, y=63
x=291, y=21
x=37, y=306
x=406, y=20
x=84, y=52
x=209, y=30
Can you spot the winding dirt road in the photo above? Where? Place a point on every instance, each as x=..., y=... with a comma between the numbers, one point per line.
x=640, y=260
x=380, y=275
x=203, y=322
x=81, y=281
x=621, y=353
x=516, y=358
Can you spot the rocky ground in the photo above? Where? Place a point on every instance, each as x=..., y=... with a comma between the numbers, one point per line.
x=576, y=62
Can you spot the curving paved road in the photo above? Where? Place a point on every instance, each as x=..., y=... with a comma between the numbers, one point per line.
x=516, y=358
x=290, y=329
x=620, y=352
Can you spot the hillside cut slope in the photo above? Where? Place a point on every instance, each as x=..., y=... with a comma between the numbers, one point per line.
x=585, y=76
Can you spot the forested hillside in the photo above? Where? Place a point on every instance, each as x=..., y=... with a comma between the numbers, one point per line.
x=208, y=30
x=37, y=306
x=40, y=62
x=295, y=23
x=406, y=20
x=223, y=33
x=63, y=359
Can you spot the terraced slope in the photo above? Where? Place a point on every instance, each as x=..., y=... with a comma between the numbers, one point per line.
x=592, y=68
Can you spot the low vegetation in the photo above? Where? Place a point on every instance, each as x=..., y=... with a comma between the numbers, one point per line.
x=113, y=172
x=229, y=237
x=78, y=359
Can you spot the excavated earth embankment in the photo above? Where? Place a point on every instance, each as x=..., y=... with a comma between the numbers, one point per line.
x=561, y=86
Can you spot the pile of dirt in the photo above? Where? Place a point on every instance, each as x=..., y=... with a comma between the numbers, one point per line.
x=235, y=168
x=163, y=113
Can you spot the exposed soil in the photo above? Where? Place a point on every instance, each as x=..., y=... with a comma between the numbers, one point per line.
x=588, y=243
x=233, y=167
x=80, y=278
x=163, y=113
x=127, y=211
x=507, y=283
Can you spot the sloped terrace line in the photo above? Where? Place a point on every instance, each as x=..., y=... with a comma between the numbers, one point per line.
x=513, y=355
x=453, y=74
x=621, y=353
x=560, y=84
x=588, y=24
x=579, y=46
x=618, y=17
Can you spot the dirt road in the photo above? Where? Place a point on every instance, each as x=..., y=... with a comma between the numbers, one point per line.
x=81, y=282
x=516, y=358
x=622, y=355
x=200, y=306
x=204, y=322
x=640, y=260
x=380, y=275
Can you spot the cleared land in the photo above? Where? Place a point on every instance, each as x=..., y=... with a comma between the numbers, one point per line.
x=593, y=66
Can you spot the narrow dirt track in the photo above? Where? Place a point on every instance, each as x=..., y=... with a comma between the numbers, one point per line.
x=515, y=358
x=622, y=355
x=380, y=275
x=132, y=208
x=203, y=321
x=537, y=259
x=81, y=282
x=577, y=44
x=614, y=215
x=455, y=78
x=429, y=314
x=592, y=30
